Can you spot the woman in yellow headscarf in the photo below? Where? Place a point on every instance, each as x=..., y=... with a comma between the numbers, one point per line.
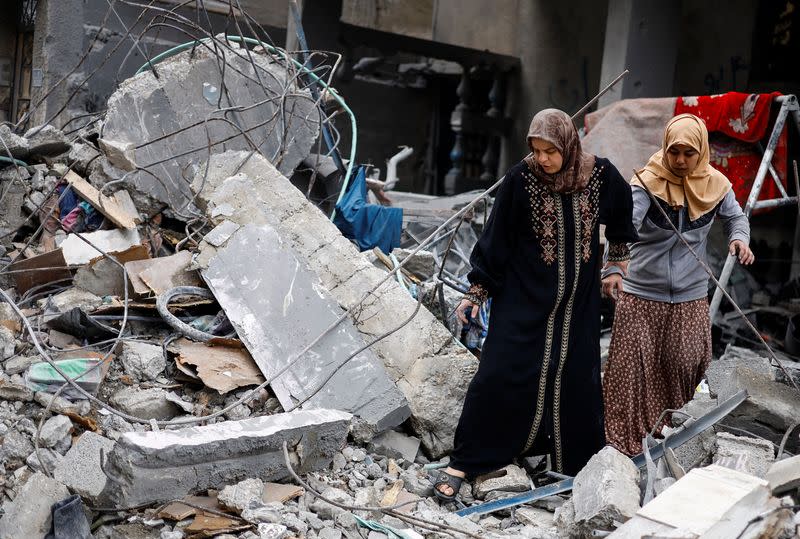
x=661, y=339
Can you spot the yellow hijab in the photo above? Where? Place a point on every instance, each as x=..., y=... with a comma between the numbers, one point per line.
x=703, y=188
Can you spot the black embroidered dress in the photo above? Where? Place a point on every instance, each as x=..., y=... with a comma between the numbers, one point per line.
x=537, y=389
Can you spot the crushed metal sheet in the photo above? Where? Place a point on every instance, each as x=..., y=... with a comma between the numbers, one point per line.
x=223, y=368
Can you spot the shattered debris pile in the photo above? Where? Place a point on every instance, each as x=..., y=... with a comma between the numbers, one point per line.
x=191, y=348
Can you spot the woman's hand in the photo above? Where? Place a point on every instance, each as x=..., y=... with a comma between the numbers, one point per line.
x=612, y=286
x=746, y=256
x=462, y=309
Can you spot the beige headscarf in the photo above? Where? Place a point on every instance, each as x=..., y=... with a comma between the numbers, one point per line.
x=703, y=188
x=556, y=127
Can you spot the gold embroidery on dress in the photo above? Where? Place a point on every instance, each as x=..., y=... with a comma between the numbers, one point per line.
x=548, y=341
x=543, y=216
x=578, y=216
x=588, y=202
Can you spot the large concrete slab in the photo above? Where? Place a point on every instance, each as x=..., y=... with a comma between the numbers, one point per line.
x=430, y=368
x=278, y=308
x=164, y=465
x=163, y=125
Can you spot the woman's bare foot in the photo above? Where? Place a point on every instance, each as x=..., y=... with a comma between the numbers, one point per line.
x=445, y=489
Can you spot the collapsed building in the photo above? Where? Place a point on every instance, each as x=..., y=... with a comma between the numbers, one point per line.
x=193, y=347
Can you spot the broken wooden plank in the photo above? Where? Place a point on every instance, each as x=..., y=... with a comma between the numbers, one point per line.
x=106, y=205
x=278, y=492
x=223, y=368
x=162, y=274
x=39, y=270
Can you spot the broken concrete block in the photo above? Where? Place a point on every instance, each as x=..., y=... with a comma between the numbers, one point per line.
x=534, y=516
x=50, y=458
x=719, y=373
x=327, y=511
x=8, y=343
x=168, y=464
x=144, y=403
x=758, y=454
x=71, y=298
x=770, y=409
x=272, y=531
x=396, y=445
x=240, y=495
x=77, y=252
x=423, y=265
x=710, y=502
x=20, y=364
x=784, y=475
x=29, y=514
x=606, y=492
x=279, y=317
x=145, y=107
x=16, y=445
x=143, y=361
x=47, y=141
x=80, y=470
x=19, y=147
x=54, y=430
x=509, y=479
x=81, y=155
x=15, y=392
x=430, y=369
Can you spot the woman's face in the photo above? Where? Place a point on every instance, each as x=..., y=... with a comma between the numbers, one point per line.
x=682, y=159
x=547, y=155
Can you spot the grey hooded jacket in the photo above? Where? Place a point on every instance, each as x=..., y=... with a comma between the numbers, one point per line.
x=661, y=267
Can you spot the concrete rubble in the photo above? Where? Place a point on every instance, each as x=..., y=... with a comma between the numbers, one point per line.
x=279, y=330
x=159, y=466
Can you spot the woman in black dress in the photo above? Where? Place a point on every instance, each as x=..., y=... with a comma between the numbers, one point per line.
x=537, y=389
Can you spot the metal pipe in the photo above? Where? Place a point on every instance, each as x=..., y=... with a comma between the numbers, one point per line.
x=776, y=203
x=391, y=167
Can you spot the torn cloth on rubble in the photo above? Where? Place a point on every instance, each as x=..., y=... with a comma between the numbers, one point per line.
x=736, y=122
x=369, y=225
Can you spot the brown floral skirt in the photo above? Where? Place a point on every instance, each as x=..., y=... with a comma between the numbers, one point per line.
x=659, y=353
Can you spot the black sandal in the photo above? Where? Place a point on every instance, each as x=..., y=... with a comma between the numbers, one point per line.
x=443, y=478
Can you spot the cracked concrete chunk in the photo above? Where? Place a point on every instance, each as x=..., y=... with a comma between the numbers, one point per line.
x=28, y=515
x=396, y=445
x=784, y=475
x=278, y=317
x=240, y=495
x=145, y=108
x=509, y=479
x=606, y=492
x=164, y=465
x=80, y=468
x=143, y=361
x=54, y=430
x=756, y=455
x=145, y=403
